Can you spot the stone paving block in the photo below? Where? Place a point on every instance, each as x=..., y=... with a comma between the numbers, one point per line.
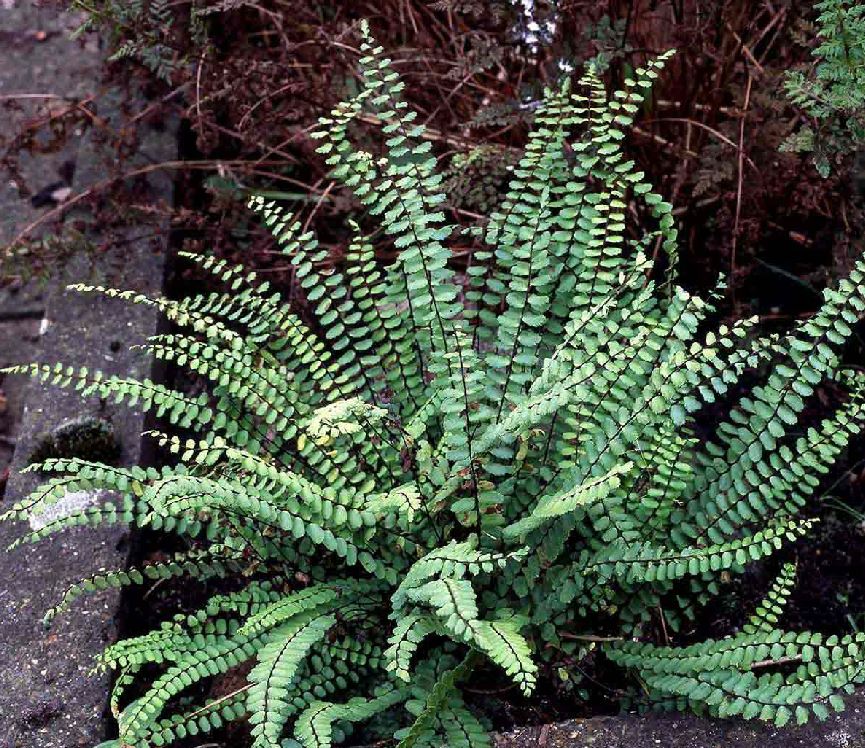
x=48, y=695
x=843, y=730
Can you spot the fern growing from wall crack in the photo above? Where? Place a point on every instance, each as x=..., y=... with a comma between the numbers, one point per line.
x=450, y=469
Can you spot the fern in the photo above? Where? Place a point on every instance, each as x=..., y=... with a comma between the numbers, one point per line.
x=476, y=179
x=833, y=95
x=449, y=469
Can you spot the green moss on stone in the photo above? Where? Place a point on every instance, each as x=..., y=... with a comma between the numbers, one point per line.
x=88, y=439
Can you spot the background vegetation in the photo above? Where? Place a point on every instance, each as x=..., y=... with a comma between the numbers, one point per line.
x=248, y=79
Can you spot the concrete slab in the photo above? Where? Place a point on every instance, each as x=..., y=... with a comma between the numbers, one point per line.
x=50, y=671
x=843, y=730
x=48, y=695
x=18, y=342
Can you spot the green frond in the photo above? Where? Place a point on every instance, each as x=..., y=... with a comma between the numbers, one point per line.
x=315, y=726
x=278, y=664
x=435, y=699
x=462, y=729
x=214, y=561
x=503, y=643
x=409, y=632
x=550, y=507
x=768, y=611
x=191, y=667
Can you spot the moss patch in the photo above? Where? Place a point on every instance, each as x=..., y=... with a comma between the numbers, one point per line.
x=88, y=439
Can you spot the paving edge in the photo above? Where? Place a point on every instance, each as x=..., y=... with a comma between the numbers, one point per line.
x=670, y=730
x=49, y=694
